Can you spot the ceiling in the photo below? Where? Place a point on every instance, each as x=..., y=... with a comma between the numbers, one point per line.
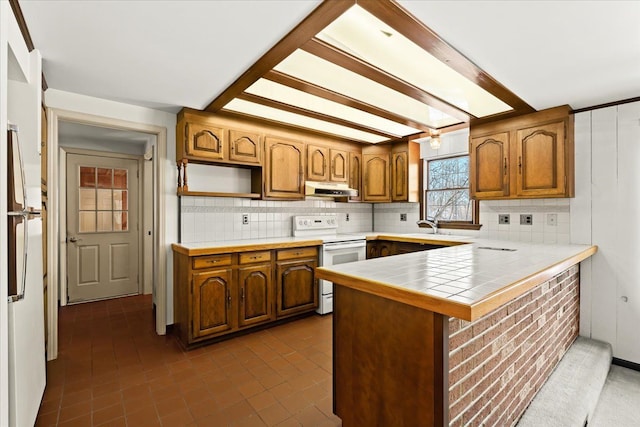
x=170, y=54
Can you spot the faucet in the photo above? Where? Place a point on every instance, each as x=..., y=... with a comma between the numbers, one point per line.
x=431, y=223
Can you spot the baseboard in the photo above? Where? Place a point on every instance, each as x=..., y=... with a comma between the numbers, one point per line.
x=626, y=364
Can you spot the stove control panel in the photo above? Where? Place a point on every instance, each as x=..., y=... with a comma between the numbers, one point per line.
x=315, y=222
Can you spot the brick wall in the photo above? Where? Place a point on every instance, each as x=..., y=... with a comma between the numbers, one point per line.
x=499, y=362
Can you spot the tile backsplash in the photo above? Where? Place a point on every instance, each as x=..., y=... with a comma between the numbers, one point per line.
x=387, y=217
x=210, y=219
x=543, y=229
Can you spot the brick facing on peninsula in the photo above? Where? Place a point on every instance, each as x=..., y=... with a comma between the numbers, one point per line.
x=499, y=362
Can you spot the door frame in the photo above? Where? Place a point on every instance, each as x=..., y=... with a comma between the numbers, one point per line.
x=55, y=238
x=63, y=214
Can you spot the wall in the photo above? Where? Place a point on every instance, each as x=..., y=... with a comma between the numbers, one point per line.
x=605, y=213
x=498, y=362
x=211, y=219
x=116, y=110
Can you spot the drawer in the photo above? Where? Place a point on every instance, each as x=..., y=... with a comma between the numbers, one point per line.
x=310, y=252
x=211, y=261
x=250, y=257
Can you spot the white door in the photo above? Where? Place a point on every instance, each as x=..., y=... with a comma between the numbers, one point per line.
x=102, y=227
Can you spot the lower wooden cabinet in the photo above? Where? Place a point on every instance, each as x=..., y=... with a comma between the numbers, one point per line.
x=216, y=295
x=380, y=248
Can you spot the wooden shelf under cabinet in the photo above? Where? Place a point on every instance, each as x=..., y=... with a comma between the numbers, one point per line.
x=214, y=194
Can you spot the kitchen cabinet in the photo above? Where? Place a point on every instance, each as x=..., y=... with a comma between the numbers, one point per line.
x=296, y=284
x=217, y=295
x=317, y=163
x=376, y=175
x=284, y=169
x=405, y=172
x=355, y=174
x=380, y=248
x=212, y=299
x=245, y=147
x=326, y=164
x=528, y=156
x=339, y=165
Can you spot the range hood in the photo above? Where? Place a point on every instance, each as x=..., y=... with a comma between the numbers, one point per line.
x=328, y=189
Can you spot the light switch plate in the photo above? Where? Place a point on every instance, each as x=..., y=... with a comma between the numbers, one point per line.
x=552, y=219
x=403, y=217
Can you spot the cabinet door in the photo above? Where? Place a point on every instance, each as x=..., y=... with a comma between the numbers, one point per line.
x=541, y=170
x=399, y=177
x=284, y=169
x=317, y=163
x=355, y=174
x=245, y=147
x=386, y=248
x=256, y=294
x=376, y=178
x=339, y=165
x=212, y=302
x=489, y=168
x=205, y=142
x=372, y=250
x=297, y=287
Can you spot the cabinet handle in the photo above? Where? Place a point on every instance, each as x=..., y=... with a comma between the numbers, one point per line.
x=242, y=294
x=213, y=261
x=520, y=165
x=505, y=166
x=229, y=299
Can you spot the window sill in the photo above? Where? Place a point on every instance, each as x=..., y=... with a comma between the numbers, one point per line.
x=454, y=225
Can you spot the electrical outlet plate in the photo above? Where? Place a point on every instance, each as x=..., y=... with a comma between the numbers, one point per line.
x=347, y=218
x=403, y=217
x=503, y=219
x=552, y=219
x=526, y=219
x=245, y=219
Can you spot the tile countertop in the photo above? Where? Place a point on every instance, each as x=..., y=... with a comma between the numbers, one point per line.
x=212, y=248
x=465, y=281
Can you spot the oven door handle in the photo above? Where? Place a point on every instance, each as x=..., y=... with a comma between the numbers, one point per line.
x=341, y=246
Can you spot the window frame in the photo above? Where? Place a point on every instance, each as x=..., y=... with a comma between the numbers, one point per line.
x=474, y=224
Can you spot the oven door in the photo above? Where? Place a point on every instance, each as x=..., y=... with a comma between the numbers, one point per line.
x=340, y=253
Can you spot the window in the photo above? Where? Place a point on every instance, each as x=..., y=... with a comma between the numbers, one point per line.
x=446, y=196
x=103, y=200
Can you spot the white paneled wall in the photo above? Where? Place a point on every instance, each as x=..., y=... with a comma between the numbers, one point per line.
x=212, y=219
x=605, y=213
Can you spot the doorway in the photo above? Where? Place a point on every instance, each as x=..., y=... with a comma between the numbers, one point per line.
x=152, y=275
x=102, y=224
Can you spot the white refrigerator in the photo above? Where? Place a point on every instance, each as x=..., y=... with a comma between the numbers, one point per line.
x=25, y=294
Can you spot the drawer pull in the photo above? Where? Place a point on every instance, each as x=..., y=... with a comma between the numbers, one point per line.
x=213, y=261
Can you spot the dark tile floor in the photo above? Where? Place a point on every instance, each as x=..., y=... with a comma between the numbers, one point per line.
x=113, y=370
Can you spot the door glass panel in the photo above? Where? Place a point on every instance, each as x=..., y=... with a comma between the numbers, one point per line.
x=104, y=221
x=120, y=178
x=103, y=200
x=105, y=178
x=87, y=199
x=87, y=222
x=87, y=177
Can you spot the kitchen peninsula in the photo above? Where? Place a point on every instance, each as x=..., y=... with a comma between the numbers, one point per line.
x=461, y=335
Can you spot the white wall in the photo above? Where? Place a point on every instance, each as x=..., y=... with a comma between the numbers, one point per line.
x=116, y=110
x=605, y=213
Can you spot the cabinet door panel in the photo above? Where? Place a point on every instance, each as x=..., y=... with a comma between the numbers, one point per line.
x=256, y=294
x=489, y=168
x=205, y=142
x=339, y=161
x=245, y=147
x=211, y=302
x=399, y=175
x=355, y=174
x=541, y=160
x=317, y=163
x=284, y=171
x=297, y=287
x=376, y=178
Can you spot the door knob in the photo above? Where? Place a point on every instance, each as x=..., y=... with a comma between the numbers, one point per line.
x=74, y=239
x=624, y=299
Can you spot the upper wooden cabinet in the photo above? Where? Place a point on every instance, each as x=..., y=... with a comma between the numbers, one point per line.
x=405, y=172
x=201, y=139
x=326, y=164
x=284, y=169
x=355, y=174
x=528, y=156
x=339, y=165
x=317, y=163
x=376, y=183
